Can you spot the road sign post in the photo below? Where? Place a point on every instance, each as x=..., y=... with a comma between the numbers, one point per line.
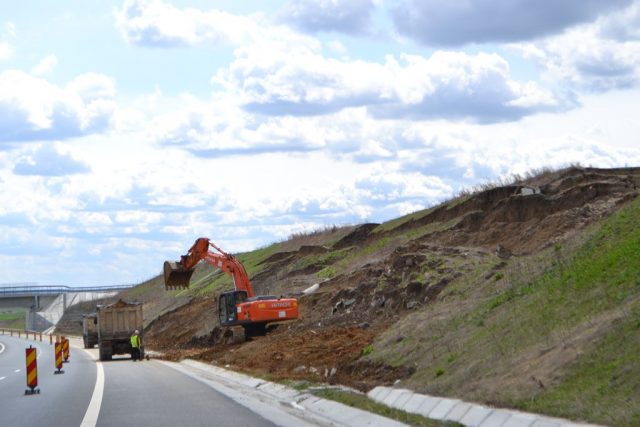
x=58, y=350
x=65, y=349
x=32, y=371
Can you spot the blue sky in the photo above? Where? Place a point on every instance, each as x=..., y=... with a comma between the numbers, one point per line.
x=129, y=128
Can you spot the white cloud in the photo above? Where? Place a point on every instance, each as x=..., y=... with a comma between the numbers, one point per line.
x=48, y=161
x=598, y=56
x=387, y=186
x=450, y=85
x=583, y=59
x=623, y=25
x=45, y=66
x=278, y=72
x=346, y=16
x=156, y=23
x=434, y=22
x=32, y=108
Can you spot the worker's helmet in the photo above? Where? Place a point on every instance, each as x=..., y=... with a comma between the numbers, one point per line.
x=136, y=332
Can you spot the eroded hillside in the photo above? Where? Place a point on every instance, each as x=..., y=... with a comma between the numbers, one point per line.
x=485, y=297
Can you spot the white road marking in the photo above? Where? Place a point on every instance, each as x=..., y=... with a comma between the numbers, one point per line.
x=91, y=416
x=16, y=371
x=2, y=348
x=1, y=378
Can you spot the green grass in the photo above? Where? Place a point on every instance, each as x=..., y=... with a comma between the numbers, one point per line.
x=12, y=319
x=395, y=223
x=602, y=385
x=581, y=303
x=318, y=260
x=363, y=402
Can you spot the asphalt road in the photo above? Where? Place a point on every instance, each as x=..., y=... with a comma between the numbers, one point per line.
x=145, y=393
x=63, y=399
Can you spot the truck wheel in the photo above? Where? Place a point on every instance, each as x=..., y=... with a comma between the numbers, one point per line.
x=105, y=355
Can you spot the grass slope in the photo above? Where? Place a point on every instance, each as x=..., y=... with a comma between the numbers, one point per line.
x=12, y=319
x=558, y=333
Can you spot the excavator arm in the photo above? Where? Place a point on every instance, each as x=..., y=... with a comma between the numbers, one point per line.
x=239, y=307
x=177, y=275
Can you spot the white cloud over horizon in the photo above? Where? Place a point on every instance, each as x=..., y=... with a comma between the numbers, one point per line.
x=33, y=109
x=305, y=118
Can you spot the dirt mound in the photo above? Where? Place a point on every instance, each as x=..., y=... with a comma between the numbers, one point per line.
x=526, y=218
x=319, y=355
x=357, y=236
x=180, y=326
x=369, y=280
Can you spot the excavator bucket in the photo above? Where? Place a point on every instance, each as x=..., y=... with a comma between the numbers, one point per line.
x=175, y=277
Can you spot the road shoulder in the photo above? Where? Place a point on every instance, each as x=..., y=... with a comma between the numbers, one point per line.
x=294, y=408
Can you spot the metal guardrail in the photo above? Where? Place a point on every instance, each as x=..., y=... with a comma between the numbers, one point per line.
x=55, y=290
x=20, y=332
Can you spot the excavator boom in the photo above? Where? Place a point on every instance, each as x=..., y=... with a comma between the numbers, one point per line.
x=177, y=274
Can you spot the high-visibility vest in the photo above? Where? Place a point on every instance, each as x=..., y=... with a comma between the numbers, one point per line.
x=135, y=341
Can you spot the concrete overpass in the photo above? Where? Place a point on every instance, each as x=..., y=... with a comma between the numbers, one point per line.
x=45, y=305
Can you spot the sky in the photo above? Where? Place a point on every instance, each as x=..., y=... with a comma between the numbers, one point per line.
x=130, y=128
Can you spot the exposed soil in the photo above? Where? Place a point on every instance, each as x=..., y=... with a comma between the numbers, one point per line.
x=377, y=282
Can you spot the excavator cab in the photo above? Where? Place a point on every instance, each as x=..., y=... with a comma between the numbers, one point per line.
x=227, y=303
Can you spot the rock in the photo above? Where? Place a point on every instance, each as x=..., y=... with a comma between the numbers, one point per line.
x=333, y=371
x=299, y=369
x=349, y=302
x=313, y=370
x=412, y=304
x=338, y=306
x=414, y=287
x=311, y=289
x=363, y=325
x=503, y=252
x=378, y=302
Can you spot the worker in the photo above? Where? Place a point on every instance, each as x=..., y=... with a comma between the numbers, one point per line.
x=136, y=343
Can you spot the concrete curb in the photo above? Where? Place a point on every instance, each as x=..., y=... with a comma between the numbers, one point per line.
x=468, y=414
x=302, y=408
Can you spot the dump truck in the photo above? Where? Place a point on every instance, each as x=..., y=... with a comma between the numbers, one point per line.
x=116, y=323
x=90, y=329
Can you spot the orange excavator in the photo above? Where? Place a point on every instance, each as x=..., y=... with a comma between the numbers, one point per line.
x=237, y=307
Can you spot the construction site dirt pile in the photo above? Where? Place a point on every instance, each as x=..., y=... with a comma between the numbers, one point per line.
x=370, y=294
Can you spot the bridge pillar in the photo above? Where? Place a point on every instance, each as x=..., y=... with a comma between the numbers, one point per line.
x=64, y=301
x=36, y=304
